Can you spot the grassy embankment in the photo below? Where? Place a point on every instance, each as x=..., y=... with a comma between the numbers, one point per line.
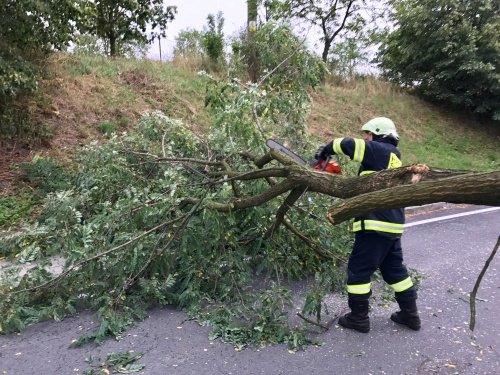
x=84, y=98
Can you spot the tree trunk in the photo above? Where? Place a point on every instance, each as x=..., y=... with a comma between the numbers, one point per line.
x=112, y=45
x=326, y=49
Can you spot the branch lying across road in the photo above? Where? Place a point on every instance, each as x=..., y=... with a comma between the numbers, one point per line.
x=475, y=188
x=411, y=185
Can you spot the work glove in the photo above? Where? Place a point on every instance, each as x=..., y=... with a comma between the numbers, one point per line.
x=324, y=151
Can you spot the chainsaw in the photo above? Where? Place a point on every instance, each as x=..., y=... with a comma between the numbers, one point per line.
x=327, y=165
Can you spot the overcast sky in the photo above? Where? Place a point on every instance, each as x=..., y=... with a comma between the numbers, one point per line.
x=193, y=14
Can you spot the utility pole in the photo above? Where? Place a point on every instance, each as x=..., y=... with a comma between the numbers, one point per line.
x=159, y=45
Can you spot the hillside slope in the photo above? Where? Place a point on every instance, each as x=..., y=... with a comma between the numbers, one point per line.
x=430, y=134
x=83, y=98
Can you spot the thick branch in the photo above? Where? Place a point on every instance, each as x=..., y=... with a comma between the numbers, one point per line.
x=242, y=203
x=481, y=188
x=294, y=195
x=253, y=175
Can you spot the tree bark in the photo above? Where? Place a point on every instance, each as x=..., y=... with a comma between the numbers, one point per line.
x=112, y=46
x=326, y=50
x=481, y=188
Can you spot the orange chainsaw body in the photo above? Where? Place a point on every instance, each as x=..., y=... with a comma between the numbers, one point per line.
x=331, y=167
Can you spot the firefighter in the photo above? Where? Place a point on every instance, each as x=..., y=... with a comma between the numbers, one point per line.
x=377, y=242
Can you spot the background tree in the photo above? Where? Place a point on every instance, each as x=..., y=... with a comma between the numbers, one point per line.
x=29, y=30
x=124, y=21
x=346, y=56
x=333, y=17
x=37, y=25
x=252, y=55
x=212, y=39
x=188, y=44
x=447, y=50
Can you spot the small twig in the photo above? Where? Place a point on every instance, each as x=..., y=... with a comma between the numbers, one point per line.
x=227, y=168
x=163, y=145
x=238, y=290
x=312, y=245
x=476, y=286
x=157, y=159
x=195, y=171
x=149, y=203
x=257, y=122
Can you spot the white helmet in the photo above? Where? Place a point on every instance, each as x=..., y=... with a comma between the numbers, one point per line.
x=381, y=126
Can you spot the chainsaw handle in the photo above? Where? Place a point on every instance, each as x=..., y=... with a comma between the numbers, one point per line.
x=316, y=162
x=326, y=163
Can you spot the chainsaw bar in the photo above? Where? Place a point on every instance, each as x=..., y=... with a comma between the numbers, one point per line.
x=271, y=143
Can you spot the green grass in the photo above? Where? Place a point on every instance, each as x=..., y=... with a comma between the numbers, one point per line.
x=430, y=134
x=141, y=85
x=97, y=95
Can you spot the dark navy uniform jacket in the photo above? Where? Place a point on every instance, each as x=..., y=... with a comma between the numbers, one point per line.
x=374, y=156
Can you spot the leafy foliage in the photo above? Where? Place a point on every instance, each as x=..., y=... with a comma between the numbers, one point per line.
x=29, y=29
x=16, y=75
x=346, y=56
x=135, y=221
x=123, y=22
x=15, y=208
x=448, y=51
x=129, y=239
x=282, y=53
x=37, y=24
x=188, y=44
x=88, y=44
x=128, y=244
x=207, y=45
x=212, y=39
x=117, y=362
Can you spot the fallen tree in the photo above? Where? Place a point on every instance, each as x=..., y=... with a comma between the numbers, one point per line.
x=382, y=190
x=216, y=225
x=158, y=217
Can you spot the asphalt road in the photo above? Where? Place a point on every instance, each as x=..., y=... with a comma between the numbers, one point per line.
x=449, y=253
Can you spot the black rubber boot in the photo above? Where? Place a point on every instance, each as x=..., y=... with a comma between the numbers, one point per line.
x=408, y=315
x=358, y=318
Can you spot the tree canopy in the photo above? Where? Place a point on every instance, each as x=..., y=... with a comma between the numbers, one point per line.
x=333, y=17
x=37, y=25
x=124, y=21
x=214, y=223
x=447, y=50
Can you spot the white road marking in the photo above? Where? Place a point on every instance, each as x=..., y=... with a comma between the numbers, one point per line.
x=442, y=218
